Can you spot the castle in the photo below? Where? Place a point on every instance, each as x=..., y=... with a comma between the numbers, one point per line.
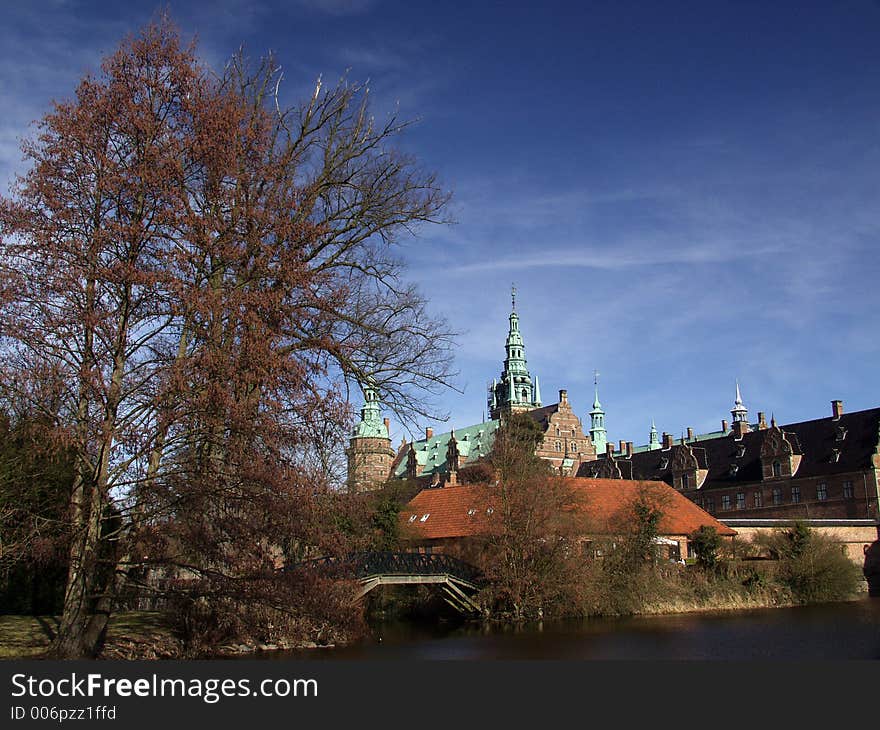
x=752, y=476
x=437, y=458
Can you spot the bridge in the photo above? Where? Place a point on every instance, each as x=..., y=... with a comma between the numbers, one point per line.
x=457, y=580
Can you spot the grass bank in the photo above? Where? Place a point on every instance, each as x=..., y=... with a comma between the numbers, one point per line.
x=130, y=635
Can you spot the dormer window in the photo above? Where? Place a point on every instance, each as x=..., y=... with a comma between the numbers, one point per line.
x=841, y=433
x=734, y=468
x=472, y=512
x=425, y=517
x=740, y=450
x=777, y=469
x=664, y=462
x=835, y=455
x=412, y=518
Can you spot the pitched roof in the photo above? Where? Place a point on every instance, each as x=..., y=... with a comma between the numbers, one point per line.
x=464, y=511
x=815, y=440
x=473, y=442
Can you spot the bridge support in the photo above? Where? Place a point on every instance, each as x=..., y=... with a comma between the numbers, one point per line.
x=455, y=590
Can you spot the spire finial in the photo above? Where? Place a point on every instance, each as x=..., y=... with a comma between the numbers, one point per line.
x=513, y=297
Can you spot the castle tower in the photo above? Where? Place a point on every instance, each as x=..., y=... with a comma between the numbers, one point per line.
x=597, y=421
x=653, y=437
x=369, y=452
x=740, y=415
x=515, y=391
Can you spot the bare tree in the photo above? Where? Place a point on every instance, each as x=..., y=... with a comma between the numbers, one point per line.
x=196, y=274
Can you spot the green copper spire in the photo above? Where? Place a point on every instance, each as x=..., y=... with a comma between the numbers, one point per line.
x=371, y=423
x=739, y=411
x=654, y=437
x=597, y=420
x=515, y=391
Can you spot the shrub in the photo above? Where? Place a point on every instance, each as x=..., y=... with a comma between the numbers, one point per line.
x=813, y=566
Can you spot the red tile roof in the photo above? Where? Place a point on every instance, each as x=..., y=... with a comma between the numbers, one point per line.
x=464, y=510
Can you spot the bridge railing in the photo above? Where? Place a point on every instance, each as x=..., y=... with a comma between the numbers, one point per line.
x=364, y=564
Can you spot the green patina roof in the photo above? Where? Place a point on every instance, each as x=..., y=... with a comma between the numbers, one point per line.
x=695, y=439
x=371, y=424
x=473, y=442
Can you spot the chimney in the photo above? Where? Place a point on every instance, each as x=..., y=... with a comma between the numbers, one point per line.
x=622, y=446
x=609, y=450
x=428, y=432
x=690, y=434
x=836, y=409
x=387, y=423
x=629, y=448
x=762, y=422
x=667, y=440
x=723, y=425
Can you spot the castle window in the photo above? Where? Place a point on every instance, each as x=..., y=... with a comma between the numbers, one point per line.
x=710, y=504
x=848, y=490
x=559, y=445
x=558, y=432
x=758, y=498
x=795, y=494
x=740, y=500
x=574, y=446
x=777, y=496
x=725, y=501
x=685, y=481
x=821, y=491
x=777, y=469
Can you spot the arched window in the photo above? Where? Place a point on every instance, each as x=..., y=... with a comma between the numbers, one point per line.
x=777, y=469
x=559, y=446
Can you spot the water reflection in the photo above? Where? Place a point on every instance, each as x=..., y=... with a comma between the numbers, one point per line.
x=833, y=631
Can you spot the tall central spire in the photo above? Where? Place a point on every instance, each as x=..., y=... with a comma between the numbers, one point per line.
x=515, y=391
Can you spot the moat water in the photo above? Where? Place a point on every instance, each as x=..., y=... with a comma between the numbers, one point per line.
x=849, y=630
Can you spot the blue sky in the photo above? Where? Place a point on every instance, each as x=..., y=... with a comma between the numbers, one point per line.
x=684, y=193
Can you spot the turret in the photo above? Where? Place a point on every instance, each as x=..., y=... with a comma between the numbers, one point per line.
x=740, y=415
x=369, y=452
x=597, y=420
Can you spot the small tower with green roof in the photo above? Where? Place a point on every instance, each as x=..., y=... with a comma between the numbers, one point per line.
x=653, y=437
x=597, y=420
x=369, y=452
x=515, y=391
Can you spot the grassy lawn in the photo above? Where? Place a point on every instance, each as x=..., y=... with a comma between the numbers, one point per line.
x=133, y=634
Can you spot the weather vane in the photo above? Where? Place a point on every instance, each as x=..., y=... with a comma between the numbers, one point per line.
x=513, y=296
x=595, y=377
